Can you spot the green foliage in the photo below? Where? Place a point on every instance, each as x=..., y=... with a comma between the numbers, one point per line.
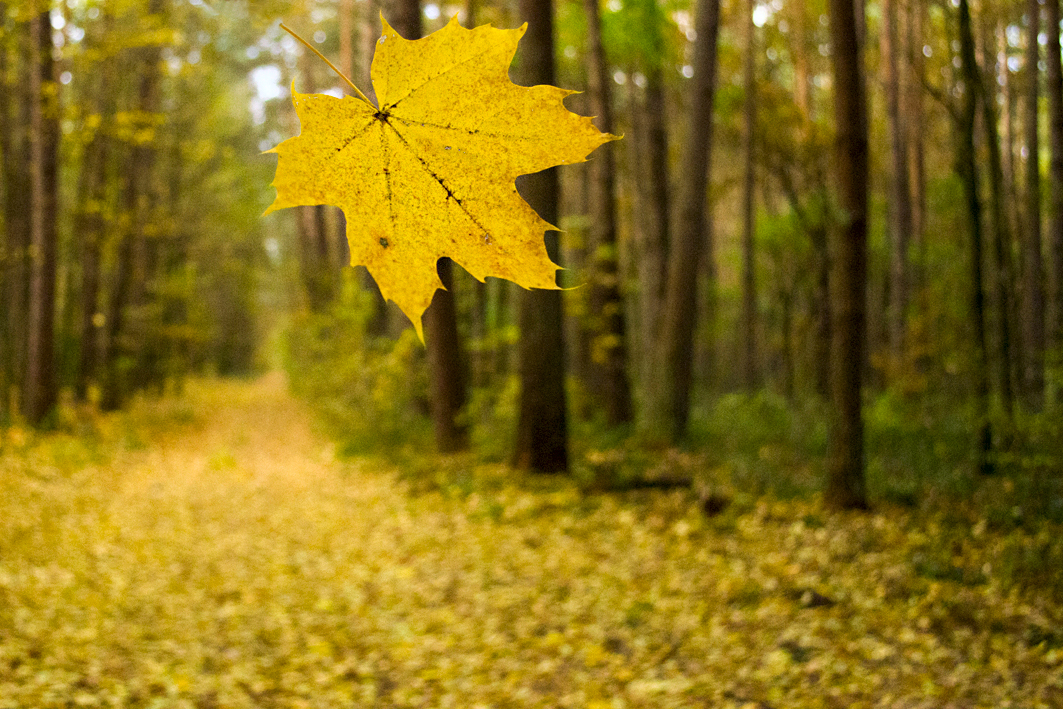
x=764, y=442
x=371, y=392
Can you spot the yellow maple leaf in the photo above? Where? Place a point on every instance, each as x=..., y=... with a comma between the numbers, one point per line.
x=429, y=171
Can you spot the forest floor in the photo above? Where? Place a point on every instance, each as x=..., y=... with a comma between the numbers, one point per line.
x=209, y=550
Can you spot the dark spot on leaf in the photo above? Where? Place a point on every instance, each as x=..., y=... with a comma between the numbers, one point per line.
x=383, y=242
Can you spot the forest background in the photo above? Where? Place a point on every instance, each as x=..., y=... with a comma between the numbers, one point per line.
x=134, y=255
x=822, y=271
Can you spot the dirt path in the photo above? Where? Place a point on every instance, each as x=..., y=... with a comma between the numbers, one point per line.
x=210, y=552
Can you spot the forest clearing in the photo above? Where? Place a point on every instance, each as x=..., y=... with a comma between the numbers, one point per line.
x=210, y=551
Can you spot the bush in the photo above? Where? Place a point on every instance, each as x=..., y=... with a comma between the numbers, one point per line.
x=371, y=392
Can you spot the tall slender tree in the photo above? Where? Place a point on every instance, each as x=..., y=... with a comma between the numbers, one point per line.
x=692, y=233
x=41, y=386
x=900, y=208
x=914, y=111
x=1033, y=314
x=129, y=289
x=608, y=324
x=967, y=166
x=14, y=119
x=542, y=423
x=1054, y=235
x=652, y=185
x=845, y=457
x=1003, y=279
x=748, y=330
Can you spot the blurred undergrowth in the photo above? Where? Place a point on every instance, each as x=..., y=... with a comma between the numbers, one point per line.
x=371, y=393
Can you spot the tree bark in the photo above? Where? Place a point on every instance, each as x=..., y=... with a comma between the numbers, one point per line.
x=914, y=111
x=607, y=321
x=748, y=344
x=41, y=385
x=802, y=72
x=900, y=208
x=1054, y=235
x=1033, y=315
x=1003, y=280
x=656, y=236
x=691, y=233
x=967, y=166
x=14, y=151
x=446, y=367
x=120, y=357
x=845, y=455
x=542, y=424
x=89, y=223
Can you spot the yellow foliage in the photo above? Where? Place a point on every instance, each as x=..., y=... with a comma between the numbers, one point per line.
x=211, y=551
x=429, y=172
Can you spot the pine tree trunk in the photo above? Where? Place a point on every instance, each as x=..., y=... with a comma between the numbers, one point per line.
x=14, y=151
x=1007, y=128
x=1033, y=314
x=748, y=343
x=916, y=115
x=41, y=386
x=802, y=72
x=1054, y=235
x=606, y=319
x=845, y=456
x=967, y=165
x=656, y=240
x=1002, y=264
x=900, y=209
x=690, y=235
x=126, y=340
x=822, y=310
x=542, y=428
x=89, y=223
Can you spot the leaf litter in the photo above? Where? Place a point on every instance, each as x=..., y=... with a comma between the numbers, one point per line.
x=212, y=552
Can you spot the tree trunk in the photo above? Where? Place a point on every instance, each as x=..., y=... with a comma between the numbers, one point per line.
x=915, y=113
x=542, y=428
x=748, y=344
x=967, y=166
x=845, y=456
x=89, y=223
x=691, y=233
x=132, y=269
x=1033, y=315
x=1002, y=264
x=1007, y=127
x=656, y=239
x=822, y=311
x=900, y=209
x=41, y=387
x=446, y=368
x=1054, y=235
x=14, y=151
x=607, y=322
x=802, y=72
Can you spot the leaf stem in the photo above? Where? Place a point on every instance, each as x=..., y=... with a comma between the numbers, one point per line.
x=332, y=66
